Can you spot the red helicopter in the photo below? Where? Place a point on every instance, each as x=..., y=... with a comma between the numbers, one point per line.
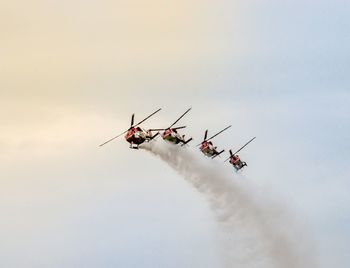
x=136, y=135
x=171, y=135
x=207, y=147
x=235, y=161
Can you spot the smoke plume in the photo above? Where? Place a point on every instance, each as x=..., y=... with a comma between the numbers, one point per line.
x=255, y=232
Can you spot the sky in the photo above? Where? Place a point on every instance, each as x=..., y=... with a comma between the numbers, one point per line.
x=73, y=72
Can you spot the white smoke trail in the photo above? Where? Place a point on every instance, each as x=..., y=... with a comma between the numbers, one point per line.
x=256, y=234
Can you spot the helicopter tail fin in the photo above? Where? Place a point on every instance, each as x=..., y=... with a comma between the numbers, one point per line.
x=218, y=154
x=155, y=135
x=187, y=141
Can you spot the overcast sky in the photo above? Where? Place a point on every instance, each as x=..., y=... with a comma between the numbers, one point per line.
x=73, y=72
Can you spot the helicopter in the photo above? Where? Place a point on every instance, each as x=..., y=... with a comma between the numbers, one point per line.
x=171, y=134
x=207, y=147
x=235, y=160
x=135, y=135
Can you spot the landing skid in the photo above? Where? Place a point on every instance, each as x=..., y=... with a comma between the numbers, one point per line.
x=239, y=167
x=134, y=147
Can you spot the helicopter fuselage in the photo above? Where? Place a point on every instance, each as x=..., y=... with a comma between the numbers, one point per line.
x=208, y=149
x=136, y=136
x=172, y=136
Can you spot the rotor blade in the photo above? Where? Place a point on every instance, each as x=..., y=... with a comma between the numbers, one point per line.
x=157, y=129
x=146, y=118
x=231, y=154
x=245, y=145
x=205, y=138
x=218, y=133
x=113, y=138
x=179, y=127
x=205, y=135
x=132, y=120
x=180, y=117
